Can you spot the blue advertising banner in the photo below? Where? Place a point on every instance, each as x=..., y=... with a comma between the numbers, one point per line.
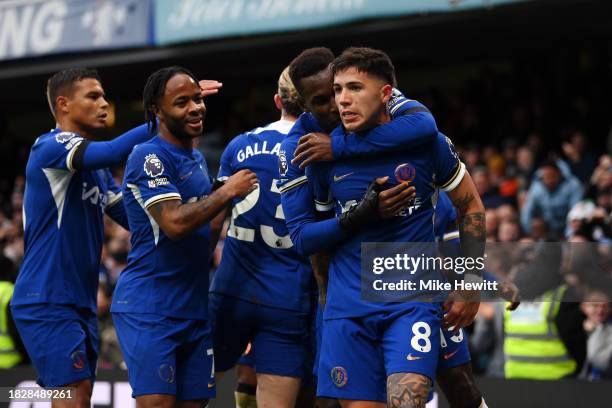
x=39, y=27
x=184, y=20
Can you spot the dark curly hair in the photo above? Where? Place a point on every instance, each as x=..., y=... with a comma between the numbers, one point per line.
x=154, y=91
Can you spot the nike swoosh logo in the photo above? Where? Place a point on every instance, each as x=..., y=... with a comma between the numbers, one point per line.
x=448, y=356
x=410, y=357
x=338, y=178
x=186, y=175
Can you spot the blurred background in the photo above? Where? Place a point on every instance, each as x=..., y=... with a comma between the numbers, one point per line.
x=522, y=87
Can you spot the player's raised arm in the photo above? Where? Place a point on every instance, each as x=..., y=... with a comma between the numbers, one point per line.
x=412, y=124
x=90, y=155
x=177, y=219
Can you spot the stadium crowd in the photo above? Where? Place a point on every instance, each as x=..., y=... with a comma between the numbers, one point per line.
x=538, y=182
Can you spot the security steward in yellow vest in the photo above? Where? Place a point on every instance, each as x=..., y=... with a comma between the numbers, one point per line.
x=12, y=352
x=544, y=339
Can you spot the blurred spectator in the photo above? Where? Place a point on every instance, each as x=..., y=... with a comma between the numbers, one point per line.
x=596, y=306
x=551, y=196
x=488, y=194
x=487, y=339
x=539, y=229
x=507, y=212
x=509, y=231
x=492, y=222
x=581, y=161
x=525, y=167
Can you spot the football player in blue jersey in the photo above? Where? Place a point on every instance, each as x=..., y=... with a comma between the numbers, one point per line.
x=68, y=190
x=311, y=73
x=160, y=304
x=363, y=80
x=261, y=291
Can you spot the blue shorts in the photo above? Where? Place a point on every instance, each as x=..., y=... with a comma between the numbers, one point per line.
x=279, y=337
x=61, y=340
x=165, y=355
x=454, y=350
x=358, y=354
x=318, y=337
x=247, y=357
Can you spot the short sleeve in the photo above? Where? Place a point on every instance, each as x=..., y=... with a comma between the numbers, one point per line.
x=225, y=166
x=290, y=175
x=449, y=170
x=113, y=192
x=317, y=175
x=150, y=175
x=57, y=151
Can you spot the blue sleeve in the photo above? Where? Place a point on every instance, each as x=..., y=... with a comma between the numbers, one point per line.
x=225, y=164
x=412, y=126
x=57, y=151
x=448, y=169
x=297, y=199
x=98, y=155
x=114, y=204
x=150, y=176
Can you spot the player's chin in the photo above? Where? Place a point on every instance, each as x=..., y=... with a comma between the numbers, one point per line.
x=194, y=130
x=353, y=125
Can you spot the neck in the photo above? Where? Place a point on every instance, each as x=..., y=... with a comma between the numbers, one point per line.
x=69, y=126
x=383, y=117
x=287, y=117
x=165, y=134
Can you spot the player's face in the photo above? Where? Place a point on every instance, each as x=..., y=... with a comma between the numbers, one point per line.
x=319, y=99
x=182, y=108
x=86, y=106
x=361, y=99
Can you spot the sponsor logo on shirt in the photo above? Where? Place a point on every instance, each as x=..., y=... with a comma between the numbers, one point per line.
x=153, y=166
x=94, y=195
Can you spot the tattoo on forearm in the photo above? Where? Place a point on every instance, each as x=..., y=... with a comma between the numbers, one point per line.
x=407, y=390
x=462, y=203
x=473, y=227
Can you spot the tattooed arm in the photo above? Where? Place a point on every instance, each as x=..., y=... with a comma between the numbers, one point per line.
x=407, y=390
x=472, y=234
x=177, y=219
x=471, y=211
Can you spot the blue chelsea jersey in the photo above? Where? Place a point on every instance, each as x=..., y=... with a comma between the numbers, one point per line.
x=259, y=263
x=164, y=276
x=63, y=221
x=445, y=222
x=428, y=167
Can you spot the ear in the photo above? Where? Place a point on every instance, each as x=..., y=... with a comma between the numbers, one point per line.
x=386, y=92
x=156, y=111
x=61, y=104
x=278, y=102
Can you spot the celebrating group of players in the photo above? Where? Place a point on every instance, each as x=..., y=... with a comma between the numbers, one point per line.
x=302, y=194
